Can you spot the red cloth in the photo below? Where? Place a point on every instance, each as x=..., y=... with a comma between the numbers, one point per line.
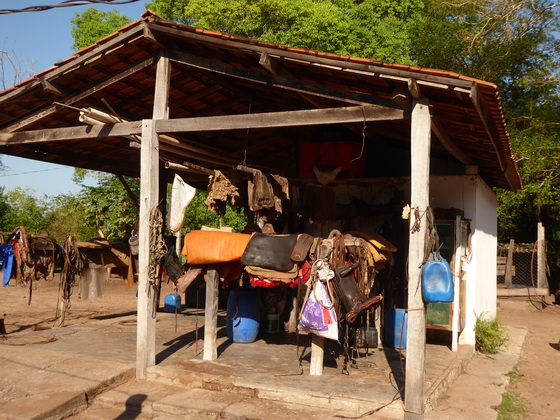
x=304, y=273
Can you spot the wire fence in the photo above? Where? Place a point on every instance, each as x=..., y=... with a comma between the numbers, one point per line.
x=524, y=264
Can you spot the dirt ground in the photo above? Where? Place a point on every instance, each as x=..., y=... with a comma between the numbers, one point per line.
x=539, y=366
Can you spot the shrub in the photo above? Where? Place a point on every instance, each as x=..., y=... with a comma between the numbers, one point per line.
x=490, y=335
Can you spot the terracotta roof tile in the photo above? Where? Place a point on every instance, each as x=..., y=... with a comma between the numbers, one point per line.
x=64, y=61
x=87, y=49
x=42, y=73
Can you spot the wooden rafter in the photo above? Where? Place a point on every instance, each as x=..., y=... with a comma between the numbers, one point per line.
x=482, y=110
x=317, y=60
x=99, y=52
x=81, y=95
x=279, y=82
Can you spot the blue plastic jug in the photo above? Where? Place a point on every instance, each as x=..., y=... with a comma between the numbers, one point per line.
x=172, y=303
x=437, y=280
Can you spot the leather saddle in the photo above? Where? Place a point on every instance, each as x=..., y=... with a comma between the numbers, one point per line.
x=270, y=251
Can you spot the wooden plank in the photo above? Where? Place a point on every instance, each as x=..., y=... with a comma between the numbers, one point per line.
x=509, y=264
x=523, y=292
x=501, y=260
x=317, y=355
x=279, y=119
x=211, y=315
x=71, y=133
x=419, y=200
x=541, y=257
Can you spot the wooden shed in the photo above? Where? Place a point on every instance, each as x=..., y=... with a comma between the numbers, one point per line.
x=157, y=97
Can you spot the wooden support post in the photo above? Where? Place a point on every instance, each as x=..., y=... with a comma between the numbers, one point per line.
x=146, y=323
x=149, y=193
x=456, y=307
x=317, y=353
x=211, y=314
x=416, y=334
x=542, y=281
x=509, y=264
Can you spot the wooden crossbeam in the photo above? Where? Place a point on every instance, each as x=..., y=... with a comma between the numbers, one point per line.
x=279, y=119
x=203, y=124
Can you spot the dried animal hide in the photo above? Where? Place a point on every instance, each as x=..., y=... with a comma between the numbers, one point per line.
x=261, y=195
x=267, y=191
x=223, y=187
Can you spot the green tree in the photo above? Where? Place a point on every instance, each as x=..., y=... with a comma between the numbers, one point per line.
x=197, y=215
x=368, y=28
x=66, y=216
x=93, y=24
x=508, y=42
x=108, y=210
x=4, y=210
x=24, y=209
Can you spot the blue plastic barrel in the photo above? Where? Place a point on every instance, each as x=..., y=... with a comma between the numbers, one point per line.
x=437, y=280
x=396, y=327
x=243, y=316
x=172, y=303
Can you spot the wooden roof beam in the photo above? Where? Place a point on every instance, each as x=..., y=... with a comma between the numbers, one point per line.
x=280, y=82
x=368, y=69
x=439, y=130
x=118, y=42
x=508, y=170
x=203, y=124
x=45, y=112
x=280, y=119
x=274, y=67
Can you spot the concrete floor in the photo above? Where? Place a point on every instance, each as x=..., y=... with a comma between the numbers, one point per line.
x=87, y=360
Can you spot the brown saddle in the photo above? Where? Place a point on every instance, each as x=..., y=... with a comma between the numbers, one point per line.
x=270, y=251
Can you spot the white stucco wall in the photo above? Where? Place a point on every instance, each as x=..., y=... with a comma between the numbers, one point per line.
x=472, y=195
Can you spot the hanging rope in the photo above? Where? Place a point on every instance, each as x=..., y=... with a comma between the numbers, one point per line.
x=73, y=266
x=157, y=250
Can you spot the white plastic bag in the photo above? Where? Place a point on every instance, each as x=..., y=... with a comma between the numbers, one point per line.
x=318, y=315
x=181, y=196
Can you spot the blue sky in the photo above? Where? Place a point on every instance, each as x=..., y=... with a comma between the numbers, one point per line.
x=38, y=40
